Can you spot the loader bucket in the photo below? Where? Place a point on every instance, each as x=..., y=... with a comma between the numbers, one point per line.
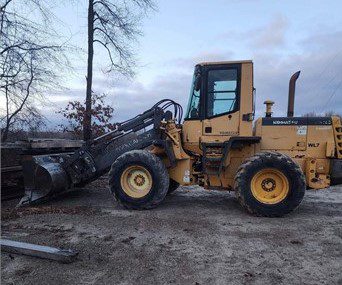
x=44, y=177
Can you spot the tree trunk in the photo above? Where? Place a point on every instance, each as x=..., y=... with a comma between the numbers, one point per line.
x=87, y=115
x=4, y=134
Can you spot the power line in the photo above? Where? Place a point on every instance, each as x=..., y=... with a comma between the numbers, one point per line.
x=333, y=93
x=324, y=70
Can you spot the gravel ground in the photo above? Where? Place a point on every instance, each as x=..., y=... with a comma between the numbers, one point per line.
x=194, y=237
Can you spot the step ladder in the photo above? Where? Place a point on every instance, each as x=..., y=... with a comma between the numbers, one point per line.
x=215, y=161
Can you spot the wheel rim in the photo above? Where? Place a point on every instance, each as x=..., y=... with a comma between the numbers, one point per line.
x=270, y=186
x=136, y=181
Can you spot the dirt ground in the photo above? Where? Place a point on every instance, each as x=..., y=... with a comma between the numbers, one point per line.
x=194, y=237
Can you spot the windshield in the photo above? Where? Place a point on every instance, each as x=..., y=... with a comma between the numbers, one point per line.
x=193, y=109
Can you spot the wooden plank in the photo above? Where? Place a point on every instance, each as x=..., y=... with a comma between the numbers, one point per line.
x=55, y=143
x=46, y=252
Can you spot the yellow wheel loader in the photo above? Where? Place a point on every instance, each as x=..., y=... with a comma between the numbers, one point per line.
x=269, y=163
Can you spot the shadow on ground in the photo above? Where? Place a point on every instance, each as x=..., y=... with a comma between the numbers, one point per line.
x=194, y=237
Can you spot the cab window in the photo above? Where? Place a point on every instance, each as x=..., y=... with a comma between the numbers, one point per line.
x=222, y=89
x=193, y=111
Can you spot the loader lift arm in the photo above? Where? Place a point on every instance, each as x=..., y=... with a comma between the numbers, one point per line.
x=51, y=174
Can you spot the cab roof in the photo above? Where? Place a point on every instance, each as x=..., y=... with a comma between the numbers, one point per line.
x=225, y=62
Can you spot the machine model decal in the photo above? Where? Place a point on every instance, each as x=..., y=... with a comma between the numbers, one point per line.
x=285, y=121
x=313, y=144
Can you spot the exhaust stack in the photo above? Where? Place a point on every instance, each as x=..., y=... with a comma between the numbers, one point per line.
x=292, y=91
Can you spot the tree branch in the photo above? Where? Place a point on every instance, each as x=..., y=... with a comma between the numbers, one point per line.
x=3, y=7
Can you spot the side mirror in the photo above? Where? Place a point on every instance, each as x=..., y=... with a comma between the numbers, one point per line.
x=197, y=83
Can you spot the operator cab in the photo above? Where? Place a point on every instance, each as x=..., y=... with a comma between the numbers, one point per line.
x=221, y=87
x=220, y=103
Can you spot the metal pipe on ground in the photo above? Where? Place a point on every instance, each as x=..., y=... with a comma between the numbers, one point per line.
x=46, y=252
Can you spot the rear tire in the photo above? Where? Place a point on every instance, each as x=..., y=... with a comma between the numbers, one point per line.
x=138, y=180
x=270, y=184
x=173, y=186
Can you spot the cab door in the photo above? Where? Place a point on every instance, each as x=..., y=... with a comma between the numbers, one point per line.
x=192, y=125
x=221, y=103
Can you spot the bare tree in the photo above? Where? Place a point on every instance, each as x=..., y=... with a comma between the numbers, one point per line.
x=113, y=25
x=27, y=64
x=326, y=114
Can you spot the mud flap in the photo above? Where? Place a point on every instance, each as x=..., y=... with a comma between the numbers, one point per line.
x=336, y=171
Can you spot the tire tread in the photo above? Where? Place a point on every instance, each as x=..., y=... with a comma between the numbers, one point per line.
x=264, y=157
x=149, y=159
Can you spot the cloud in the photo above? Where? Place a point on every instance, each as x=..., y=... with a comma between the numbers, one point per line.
x=128, y=98
x=131, y=101
x=318, y=56
x=270, y=35
x=188, y=63
x=331, y=40
x=319, y=88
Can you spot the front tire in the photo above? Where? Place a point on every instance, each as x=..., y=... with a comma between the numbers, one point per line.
x=139, y=180
x=270, y=184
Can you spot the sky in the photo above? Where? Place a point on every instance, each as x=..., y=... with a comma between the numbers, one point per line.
x=281, y=37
